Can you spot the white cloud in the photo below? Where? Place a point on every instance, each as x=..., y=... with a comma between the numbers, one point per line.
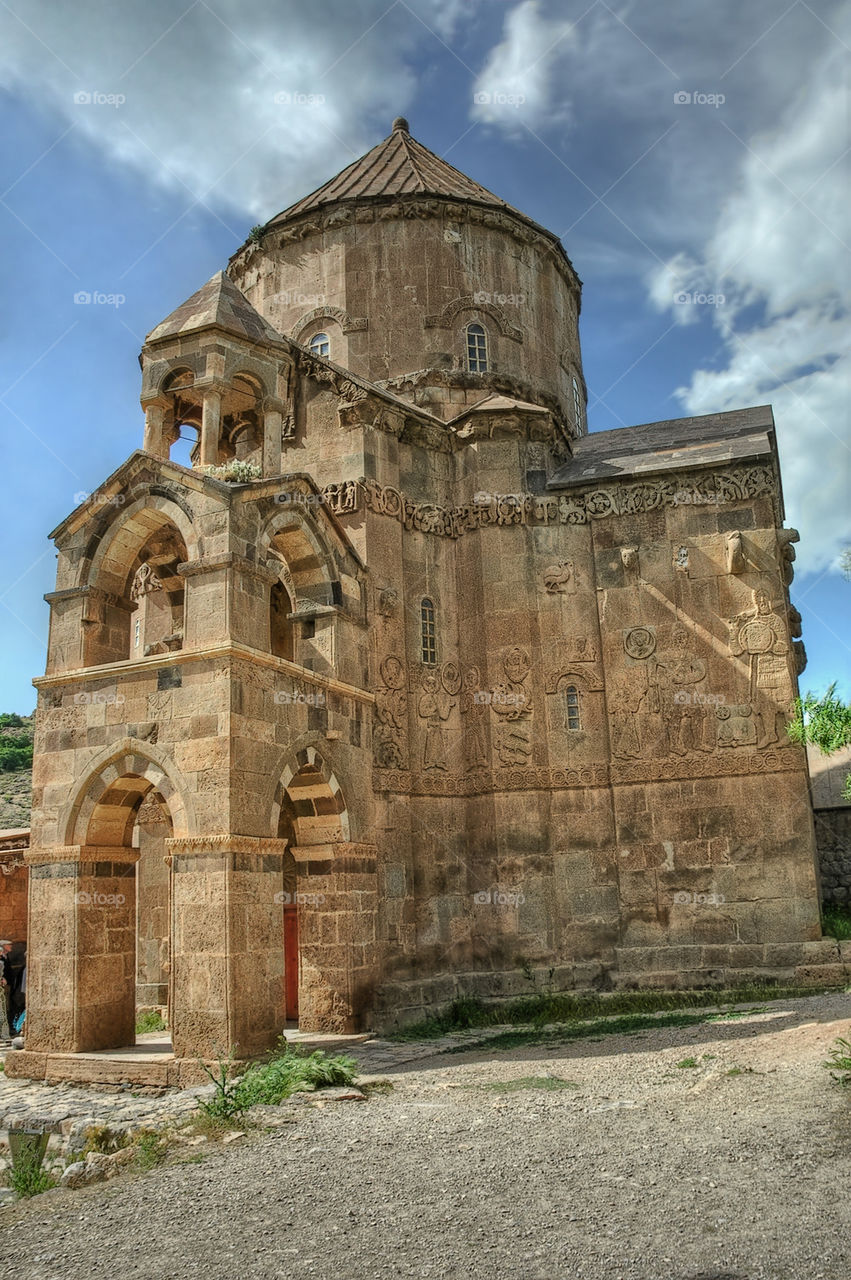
x=200, y=87
x=516, y=85
x=779, y=254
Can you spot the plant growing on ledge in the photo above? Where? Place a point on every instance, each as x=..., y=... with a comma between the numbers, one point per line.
x=255, y=235
x=825, y=722
x=235, y=472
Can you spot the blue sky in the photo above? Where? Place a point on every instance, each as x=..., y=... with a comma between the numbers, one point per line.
x=691, y=150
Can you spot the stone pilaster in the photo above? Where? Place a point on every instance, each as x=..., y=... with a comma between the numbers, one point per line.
x=227, y=977
x=337, y=898
x=81, y=948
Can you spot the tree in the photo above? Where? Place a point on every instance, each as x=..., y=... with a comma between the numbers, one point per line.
x=825, y=722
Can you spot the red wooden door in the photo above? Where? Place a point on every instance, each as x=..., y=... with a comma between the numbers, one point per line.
x=291, y=963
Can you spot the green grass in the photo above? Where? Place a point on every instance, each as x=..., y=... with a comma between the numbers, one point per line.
x=150, y=1021
x=271, y=1082
x=836, y=923
x=688, y=1062
x=541, y=1009
x=151, y=1148
x=598, y=1028
x=549, y=1084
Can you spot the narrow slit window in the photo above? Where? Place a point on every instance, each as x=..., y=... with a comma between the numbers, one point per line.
x=477, y=349
x=577, y=406
x=428, y=632
x=320, y=344
x=571, y=707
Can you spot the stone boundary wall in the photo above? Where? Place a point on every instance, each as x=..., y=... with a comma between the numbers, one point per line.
x=833, y=841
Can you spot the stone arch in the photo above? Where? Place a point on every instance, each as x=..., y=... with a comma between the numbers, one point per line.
x=110, y=562
x=588, y=681
x=309, y=790
x=117, y=781
x=180, y=374
x=447, y=318
x=295, y=549
x=348, y=324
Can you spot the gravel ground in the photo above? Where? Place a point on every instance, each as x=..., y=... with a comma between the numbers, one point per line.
x=638, y=1169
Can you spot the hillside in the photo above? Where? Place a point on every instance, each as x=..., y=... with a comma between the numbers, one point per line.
x=16, y=737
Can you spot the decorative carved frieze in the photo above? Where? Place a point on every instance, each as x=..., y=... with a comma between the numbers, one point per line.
x=486, y=781
x=223, y=843
x=553, y=509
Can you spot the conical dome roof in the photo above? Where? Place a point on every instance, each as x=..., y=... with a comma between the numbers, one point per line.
x=398, y=166
x=217, y=304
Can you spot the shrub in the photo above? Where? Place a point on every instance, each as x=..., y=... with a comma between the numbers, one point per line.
x=104, y=1140
x=151, y=1020
x=839, y=1062
x=271, y=1082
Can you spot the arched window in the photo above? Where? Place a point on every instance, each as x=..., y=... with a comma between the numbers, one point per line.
x=577, y=407
x=319, y=344
x=571, y=708
x=428, y=633
x=477, y=348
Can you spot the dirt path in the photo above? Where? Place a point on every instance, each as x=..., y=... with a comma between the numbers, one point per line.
x=736, y=1168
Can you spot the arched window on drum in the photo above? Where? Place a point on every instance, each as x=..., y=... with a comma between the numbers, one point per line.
x=572, y=714
x=477, y=348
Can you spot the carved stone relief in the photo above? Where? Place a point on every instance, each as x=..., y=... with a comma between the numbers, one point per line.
x=390, y=732
x=435, y=707
x=639, y=642
x=562, y=509
x=511, y=702
x=560, y=578
x=736, y=561
x=759, y=635
x=473, y=715
x=144, y=582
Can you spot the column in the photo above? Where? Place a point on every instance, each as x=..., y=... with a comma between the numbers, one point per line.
x=210, y=427
x=273, y=420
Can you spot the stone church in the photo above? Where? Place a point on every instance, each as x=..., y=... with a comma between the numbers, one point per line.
x=375, y=680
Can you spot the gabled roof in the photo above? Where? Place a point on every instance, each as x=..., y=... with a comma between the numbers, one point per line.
x=398, y=166
x=497, y=403
x=217, y=304
x=625, y=452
